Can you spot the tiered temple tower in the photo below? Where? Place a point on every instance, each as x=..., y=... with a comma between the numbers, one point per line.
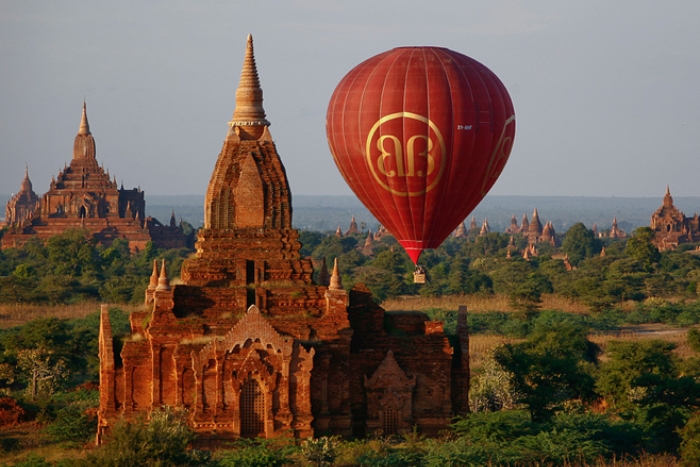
x=251, y=346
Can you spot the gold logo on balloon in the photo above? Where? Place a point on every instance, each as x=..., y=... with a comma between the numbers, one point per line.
x=406, y=153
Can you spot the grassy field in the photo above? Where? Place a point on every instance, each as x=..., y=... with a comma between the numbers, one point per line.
x=17, y=315
x=30, y=439
x=477, y=303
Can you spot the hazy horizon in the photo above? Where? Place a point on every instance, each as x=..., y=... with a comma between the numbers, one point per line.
x=327, y=212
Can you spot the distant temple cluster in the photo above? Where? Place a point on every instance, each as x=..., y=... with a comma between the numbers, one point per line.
x=531, y=229
x=371, y=241
x=84, y=196
x=671, y=228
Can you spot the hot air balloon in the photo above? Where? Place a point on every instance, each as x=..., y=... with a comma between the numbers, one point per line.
x=420, y=134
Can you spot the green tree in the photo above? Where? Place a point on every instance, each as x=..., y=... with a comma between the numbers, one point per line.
x=640, y=247
x=642, y=381
x=309, y=240
x=461, y=279
x=552, y=366
x=690, y=442
x=579, y=243
x=42, y=350
x=694, y=339
x=522, y=283
x=72, y=253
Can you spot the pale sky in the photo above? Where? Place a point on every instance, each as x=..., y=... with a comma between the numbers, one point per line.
x=606, y=92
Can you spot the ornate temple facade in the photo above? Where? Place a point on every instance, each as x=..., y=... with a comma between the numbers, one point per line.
x=84, y=196
x=671, y=227
x=251, y=346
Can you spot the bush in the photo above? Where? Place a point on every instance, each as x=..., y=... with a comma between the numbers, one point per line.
x=33, y=460
x=258, y=453
x=162, y=442
x=73, y=425
x=690, y=441
x=320, y=452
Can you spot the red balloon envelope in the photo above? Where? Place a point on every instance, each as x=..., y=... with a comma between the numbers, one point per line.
x=420, y=134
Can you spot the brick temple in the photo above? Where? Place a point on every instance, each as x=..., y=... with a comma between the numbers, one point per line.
x=671, y=227
x=251, y=346
x=84, y=196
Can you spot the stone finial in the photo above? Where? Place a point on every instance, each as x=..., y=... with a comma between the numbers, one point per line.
x=602, y=252
x=84, y=129
x=163, y=282
x=249, y=95
x=336, y=282
x=323, y=276
x=84, y=145
x=172, y=219
x=339, y=232
x=26, y=183
x=668, y=199
x=153, y=283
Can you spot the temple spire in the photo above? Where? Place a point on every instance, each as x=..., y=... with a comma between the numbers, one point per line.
x=153, y=283
x=26, y=183
x=84, y=145
x=336, y=282
x=84, y=126
x=249, y=95
x=668, y=199
x=163, y=281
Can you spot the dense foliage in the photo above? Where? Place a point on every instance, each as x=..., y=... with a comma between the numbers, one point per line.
x=605, y=272
x=72, y=267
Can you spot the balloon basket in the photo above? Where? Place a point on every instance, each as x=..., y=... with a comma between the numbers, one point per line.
x=419, y=275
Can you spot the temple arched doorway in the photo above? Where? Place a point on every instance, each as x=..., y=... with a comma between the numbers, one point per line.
x=390, y=421
x=252, y=409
